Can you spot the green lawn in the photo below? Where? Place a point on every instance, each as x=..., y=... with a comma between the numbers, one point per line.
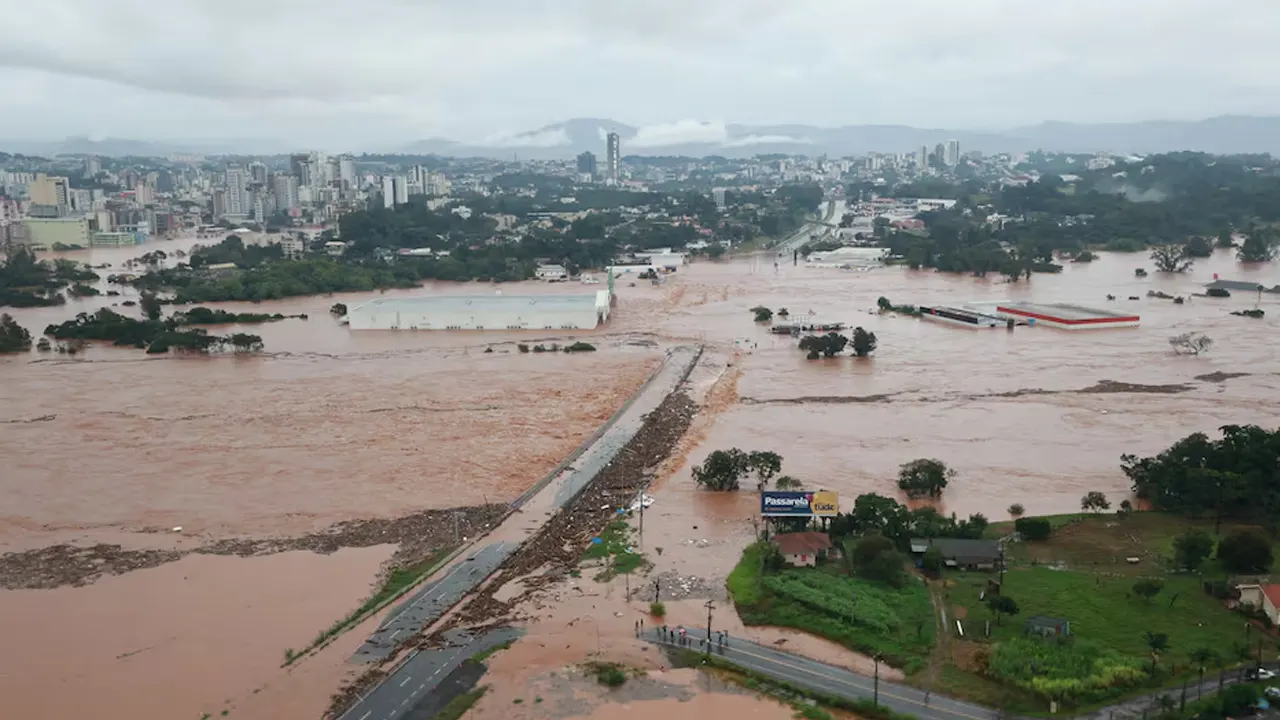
x=865, y=616
x=1101, y=608
x=615, y=551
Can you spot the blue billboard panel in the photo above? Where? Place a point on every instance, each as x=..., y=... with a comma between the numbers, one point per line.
x=786, y=504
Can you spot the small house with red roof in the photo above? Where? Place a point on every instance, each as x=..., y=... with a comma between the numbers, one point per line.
x=803, y=549
x=1264, y=597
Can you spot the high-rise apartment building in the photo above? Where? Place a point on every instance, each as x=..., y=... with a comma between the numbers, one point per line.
x=922, y=158
x=258, y=172
x=587, y=164
x=92, y=166
x=347, y=171
x=613, y=161
x=237, y=190
x=285, y=188
x=395, y=190
x=952, y=155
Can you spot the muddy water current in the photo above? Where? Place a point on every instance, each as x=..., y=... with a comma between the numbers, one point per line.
x=330, y=425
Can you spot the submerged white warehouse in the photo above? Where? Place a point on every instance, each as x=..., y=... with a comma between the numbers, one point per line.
x=483, y=312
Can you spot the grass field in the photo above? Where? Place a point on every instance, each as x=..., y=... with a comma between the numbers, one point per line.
x=1083, y=574
x=862, y=615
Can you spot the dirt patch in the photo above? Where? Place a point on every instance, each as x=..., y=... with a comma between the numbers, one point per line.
x=959, y=612
x=556, y=548
x=1217, y=377
x=418, y=535
x=823, y=399
x=1111, y=386
x=969, y=656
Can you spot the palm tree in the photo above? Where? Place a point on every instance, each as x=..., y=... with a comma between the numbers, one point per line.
x=1158, y=643
x=1201, y=657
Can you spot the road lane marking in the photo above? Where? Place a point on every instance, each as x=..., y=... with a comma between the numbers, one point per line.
x=847, y=681
x=402, y=682
x=366, y=715
x=394, y=634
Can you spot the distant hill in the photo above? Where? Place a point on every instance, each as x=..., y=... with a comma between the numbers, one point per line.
x=1228, y=134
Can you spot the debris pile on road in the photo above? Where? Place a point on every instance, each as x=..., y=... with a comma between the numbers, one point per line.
x=418, y=535
x=674, y=586
x=558, y=546
x=552, y=552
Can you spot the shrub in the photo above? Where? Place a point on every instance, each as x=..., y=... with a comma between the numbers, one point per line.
x=1064, y=669
x=609, y=674
x=1035, y=529
x=580, y=347
x=1245, y=551
x=522, y=347
x=657, y=609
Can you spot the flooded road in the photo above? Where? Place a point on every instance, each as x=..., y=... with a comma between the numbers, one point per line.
x=330, y=425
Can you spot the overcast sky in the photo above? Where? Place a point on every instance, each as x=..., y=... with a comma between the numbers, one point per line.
x=347, y=75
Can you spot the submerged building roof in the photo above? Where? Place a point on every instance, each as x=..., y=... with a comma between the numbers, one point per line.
x=440, y=303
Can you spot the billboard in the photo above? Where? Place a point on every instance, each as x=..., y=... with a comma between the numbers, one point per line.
x=803, y=503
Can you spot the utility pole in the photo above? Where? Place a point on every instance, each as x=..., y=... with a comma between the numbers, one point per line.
x=456, y=538
x=709, y=607
x=875, y=693
x=642, y=517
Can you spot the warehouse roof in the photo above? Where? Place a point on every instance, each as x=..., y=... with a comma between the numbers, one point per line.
x=490, y=302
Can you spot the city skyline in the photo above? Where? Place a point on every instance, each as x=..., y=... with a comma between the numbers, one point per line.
x=991, y=64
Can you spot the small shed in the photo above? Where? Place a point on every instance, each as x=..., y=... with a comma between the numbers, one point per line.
x=1046, y=626
x=803, y=548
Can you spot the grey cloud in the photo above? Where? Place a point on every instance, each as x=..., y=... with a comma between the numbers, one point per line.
x=412, y=69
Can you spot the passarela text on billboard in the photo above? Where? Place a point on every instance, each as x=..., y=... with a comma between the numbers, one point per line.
x=779, y=503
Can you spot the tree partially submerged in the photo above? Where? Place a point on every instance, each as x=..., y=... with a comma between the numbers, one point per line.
x=1190, y=343
x=828, y=345
x=864, y=343
x=13, y=337
x=724, y=469
x=1171, y=258
x=924, y=477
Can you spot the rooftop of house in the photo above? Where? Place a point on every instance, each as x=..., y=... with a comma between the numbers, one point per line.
x=957, y=548
x=802, y=543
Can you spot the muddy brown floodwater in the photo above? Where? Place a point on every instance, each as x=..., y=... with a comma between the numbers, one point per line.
x=329, y=426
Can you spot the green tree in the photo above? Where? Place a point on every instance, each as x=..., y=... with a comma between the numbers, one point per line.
x=1199, y=247
x=786, y=482
x=1191, y=549
x=924, y=477
x=1237, y=700
x=1148, y=588
x=1171, y=258
x=13, y=337
x=864, y=343
x=1245, y=552
x=828, y=345
x=721, y=470
x=1156, y=644
x=876, y=558
x=1200, y=658
x=1258, y=246
x=765, y=464
x=883, y=303
x=933, y=561
x=1002, y=605
x=1094, y=501
x=150, y=306
x=763, y=314
x=1016, y=510
x=338, y=309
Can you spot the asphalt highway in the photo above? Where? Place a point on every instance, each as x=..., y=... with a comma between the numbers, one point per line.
x=421, y=674
x=833, y=680
x=428, y=604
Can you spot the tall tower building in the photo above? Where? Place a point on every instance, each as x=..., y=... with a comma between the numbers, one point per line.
x=258, y=172
x=285, y=188
x=347, y=171
x=237, y=190
x=587, y=164
x=52, y=192
x=952, y=155
x=395, y=190
x=613, y=161
x=922, y=158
